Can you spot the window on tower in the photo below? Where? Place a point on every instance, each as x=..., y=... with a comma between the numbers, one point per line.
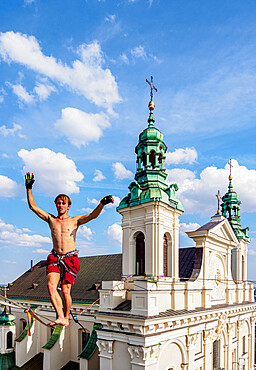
x=140, y=254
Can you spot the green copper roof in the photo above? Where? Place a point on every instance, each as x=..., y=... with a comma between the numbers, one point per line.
x=150, y=178
x=54, y=337
x=7, y=360
x=231, y=210
x=91, y=345
x=6, y=319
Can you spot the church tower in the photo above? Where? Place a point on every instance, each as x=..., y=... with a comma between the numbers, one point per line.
x=150, y=212
x=231, y=210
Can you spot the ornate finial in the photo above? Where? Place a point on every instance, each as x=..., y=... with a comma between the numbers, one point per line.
x=151, y=104
x=218, y=197
x=230, y=166
x=5, y=289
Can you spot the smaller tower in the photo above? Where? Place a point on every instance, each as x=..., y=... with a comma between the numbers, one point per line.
x=231, y=210
x=151, y=210
x=7, y=335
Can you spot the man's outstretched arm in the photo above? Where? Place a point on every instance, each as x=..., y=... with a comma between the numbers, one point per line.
x=96, y=212
x=29, y=181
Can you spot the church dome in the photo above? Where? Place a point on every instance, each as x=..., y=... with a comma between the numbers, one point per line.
x=6, y=318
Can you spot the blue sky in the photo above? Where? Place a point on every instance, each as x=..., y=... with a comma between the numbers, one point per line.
x=73, y=100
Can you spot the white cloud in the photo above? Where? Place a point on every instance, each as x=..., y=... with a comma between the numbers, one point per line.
x=199, y=194
x=121, y=172
x=114, y=233
x=1, y=98
x=43, y=90
x=8, y=187
x=115, y=204
x=98, y=176
x=86, y=76
x=11, y=235
x=139, y=52
x=11, y=131
x=54, y=172
x=187, y=155
x=7, y=261
x=93, y=201
x=22, y=93
x=87, y=210
x=124, y=58
x=85, y=232
x=5, y=155
x=110, y=18
x=79, y=127
x=41, y=251
x=27, y=2
x=188, y=227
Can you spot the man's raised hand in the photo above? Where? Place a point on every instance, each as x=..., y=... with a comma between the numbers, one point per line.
x=29, y=180
x=107, y=199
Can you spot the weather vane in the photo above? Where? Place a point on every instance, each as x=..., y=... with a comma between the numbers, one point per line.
x=152, y=87
x=230, y=166
x=218, y=197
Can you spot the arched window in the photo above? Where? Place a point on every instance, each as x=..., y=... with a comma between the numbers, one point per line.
x=83, y=337
x=216, y=355
x=140, y=254
x=9, y=339
x=152, y=158
x=144, y=159
x=165, y=256
x=23, y=324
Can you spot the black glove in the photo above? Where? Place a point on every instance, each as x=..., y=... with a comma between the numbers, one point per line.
x=29, y=180
x=107, y=199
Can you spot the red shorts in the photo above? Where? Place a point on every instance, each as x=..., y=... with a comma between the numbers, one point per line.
x=71, y=262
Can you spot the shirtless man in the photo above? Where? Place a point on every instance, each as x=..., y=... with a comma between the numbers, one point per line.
x=64, y=254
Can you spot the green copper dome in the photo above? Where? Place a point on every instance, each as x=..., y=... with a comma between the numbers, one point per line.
x=6, y=319
x=150, y=177
x=231, y=210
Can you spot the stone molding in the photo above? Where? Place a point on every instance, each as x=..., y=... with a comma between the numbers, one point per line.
x=105, y=347
x=141, y=354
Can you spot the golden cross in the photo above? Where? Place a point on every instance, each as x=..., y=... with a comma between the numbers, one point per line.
x=230, y=166
x=5, y=289
x=218, y=197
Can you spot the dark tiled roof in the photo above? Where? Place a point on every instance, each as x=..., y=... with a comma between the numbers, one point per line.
x=93, y=271
x=186, y=262
x=209, y=225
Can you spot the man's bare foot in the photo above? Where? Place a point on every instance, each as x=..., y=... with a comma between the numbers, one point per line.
x=60, y=321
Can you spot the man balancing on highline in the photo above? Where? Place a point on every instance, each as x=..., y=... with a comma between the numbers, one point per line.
x=63, y=259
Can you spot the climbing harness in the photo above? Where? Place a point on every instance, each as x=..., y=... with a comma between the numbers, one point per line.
x=62, y=264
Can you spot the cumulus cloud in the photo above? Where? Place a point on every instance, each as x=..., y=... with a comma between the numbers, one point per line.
x=8, y=187
x=191, y=226
x=22, y=93
x=85, y=232
x=11, y=235
x=98, y=176
x=11, y=131
x=44, y=90
x=199, y=194
x=187, y=155
x=54, y=172
x=79, y=127
x=86, y=76
x=121, y=172
x=114, y=233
